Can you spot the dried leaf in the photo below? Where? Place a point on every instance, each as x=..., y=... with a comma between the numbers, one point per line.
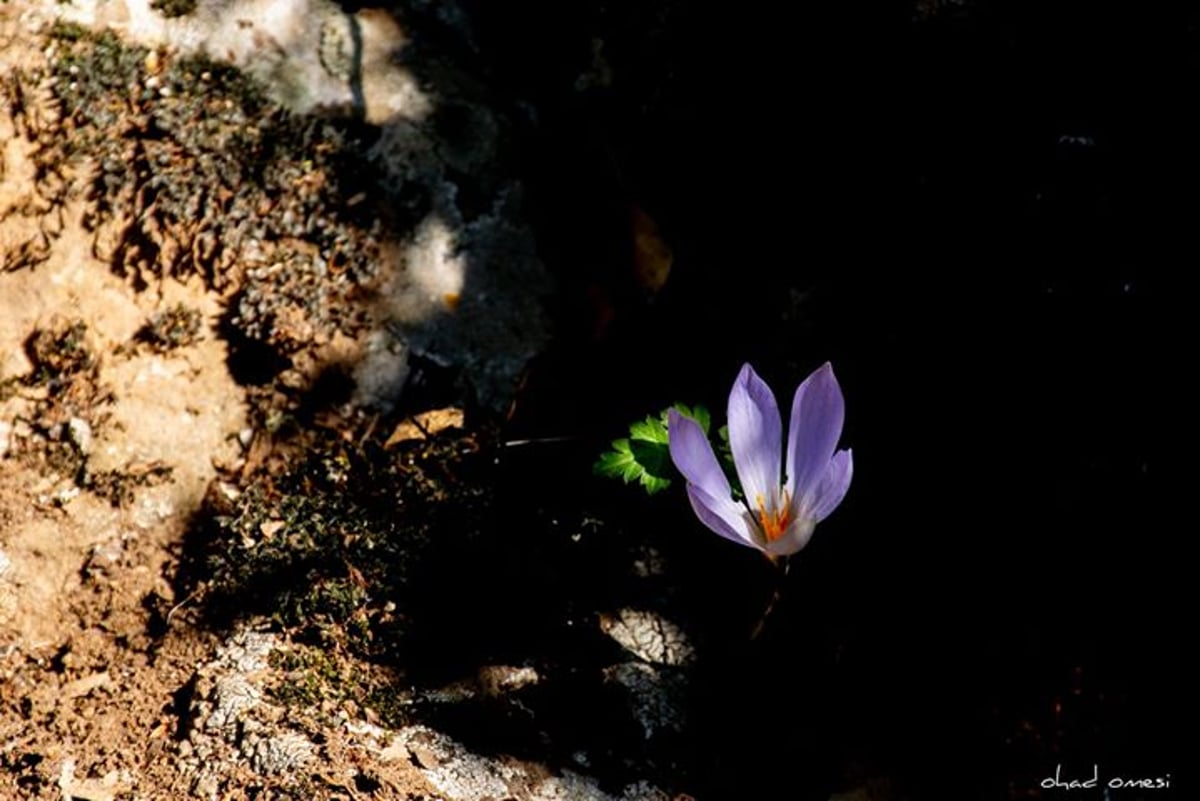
x=652, y=256
x=426, y=424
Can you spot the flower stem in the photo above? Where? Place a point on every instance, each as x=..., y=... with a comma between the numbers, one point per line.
x=781, y=571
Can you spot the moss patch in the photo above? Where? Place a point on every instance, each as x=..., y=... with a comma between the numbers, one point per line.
x=326, y=548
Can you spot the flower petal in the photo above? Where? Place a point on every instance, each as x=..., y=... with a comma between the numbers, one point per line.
x=693, y=455
x=723, y=516
x=794, y=539
x=818, y=411
x=755, y=436
x=833, y=485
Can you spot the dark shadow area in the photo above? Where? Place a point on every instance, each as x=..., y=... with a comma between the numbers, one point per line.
x=971, y=212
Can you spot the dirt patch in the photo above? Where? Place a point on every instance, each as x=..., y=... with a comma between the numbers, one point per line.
x=107, y=447
x=116, y=407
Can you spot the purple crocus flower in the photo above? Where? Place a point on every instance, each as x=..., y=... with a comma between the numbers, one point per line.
x=779, y=514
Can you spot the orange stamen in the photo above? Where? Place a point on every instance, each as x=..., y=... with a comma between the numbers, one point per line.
x=775, y=521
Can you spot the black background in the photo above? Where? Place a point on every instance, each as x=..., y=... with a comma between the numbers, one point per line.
x=982, y=213
x=983, y=216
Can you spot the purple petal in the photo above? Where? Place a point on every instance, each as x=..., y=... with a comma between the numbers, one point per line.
x=755, y=436
x=693, y=455
x=833, y=485
x=722, y=516
x=816, y=424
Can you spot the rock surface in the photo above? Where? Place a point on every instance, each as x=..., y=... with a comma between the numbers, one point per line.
x=459, y=285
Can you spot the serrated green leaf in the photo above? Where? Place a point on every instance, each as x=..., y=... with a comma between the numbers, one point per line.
x=654, y=459
x=653, y=484
x=651, y=429
x=618, y=463
x=645, y=456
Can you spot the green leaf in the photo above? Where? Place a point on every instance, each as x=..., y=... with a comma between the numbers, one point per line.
x=653, y=484
x=645, y=456
x=643, y=460
x=654, y=459
x=618, y=462
x=652, y=429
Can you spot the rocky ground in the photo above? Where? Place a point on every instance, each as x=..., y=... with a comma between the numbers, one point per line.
x=213, y=285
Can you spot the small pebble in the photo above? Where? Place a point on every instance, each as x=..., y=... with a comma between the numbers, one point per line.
x=80, y=433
